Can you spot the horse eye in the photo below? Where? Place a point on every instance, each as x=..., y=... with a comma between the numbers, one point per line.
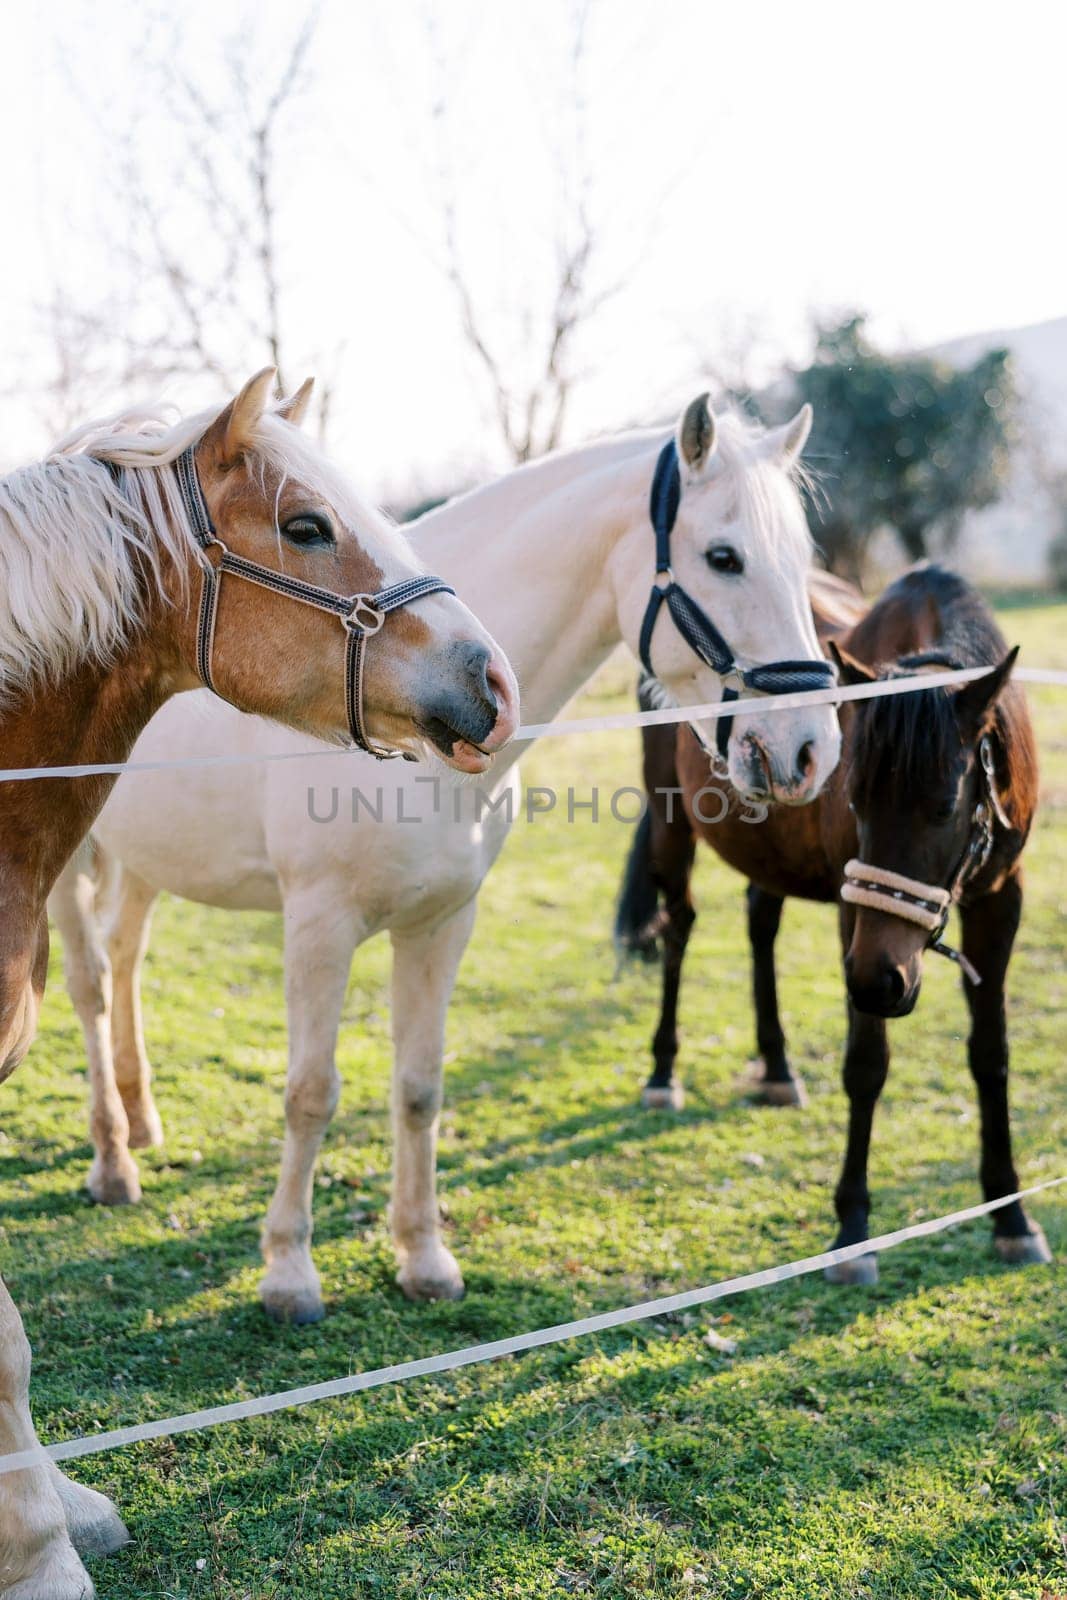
x=724, y=558
x=309, y=528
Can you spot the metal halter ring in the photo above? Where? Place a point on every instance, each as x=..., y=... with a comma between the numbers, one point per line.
x=365, y=616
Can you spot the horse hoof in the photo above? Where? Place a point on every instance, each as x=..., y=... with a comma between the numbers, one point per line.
x=670, y=1098
x=293, y=1302
x=95, y=1527
x=294, y=1310
x=755, y=1085
x=1024, y=1249
x=119, y=1185
x=862, y=1269
x=439, y=1278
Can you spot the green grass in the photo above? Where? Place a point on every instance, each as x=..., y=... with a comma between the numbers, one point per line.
x=903, y=1441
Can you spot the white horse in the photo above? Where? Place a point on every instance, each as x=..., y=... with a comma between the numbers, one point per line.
x=557, y=557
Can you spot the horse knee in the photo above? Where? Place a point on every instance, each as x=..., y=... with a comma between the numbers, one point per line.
x=418, y=1099
x=89, y=983
x=15, y=1359
x=312, y=1097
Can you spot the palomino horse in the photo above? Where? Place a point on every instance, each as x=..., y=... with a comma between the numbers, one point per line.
x=931, y=807
x=103, y=549
x=567, y=580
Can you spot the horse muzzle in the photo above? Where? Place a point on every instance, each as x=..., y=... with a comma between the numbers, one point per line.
x=883, y=987
x=789, y=776
x=474, y=709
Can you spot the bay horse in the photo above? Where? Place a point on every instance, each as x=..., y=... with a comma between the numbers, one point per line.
x=558, y=555
x=120, y=560
x=931, y=806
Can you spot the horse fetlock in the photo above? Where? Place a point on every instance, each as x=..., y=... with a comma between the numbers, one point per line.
x=58, y=1575
x=146, y=1124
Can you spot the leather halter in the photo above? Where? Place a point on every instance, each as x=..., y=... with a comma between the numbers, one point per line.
x=925, y=904
x=359, y=614
x=694, y=624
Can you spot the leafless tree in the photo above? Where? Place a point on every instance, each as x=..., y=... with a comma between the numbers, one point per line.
x=198, y=263
x=531, y=407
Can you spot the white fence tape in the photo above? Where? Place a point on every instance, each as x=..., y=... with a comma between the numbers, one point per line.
x=450, y=1360
x=613, y=722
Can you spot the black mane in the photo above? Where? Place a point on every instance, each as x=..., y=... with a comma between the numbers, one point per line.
x=904, y=744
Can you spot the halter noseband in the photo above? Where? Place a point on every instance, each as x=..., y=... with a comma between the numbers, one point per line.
x=694, y=624
x=359, y=614
x=925, y=904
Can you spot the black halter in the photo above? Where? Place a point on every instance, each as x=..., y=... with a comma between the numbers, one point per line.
x=694, y=624
x=359, y=614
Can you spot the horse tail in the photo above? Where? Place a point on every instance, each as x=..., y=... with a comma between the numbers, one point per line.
x=637, y=911
x=638, y=906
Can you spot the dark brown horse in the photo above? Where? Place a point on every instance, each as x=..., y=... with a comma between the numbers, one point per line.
x=935, y=796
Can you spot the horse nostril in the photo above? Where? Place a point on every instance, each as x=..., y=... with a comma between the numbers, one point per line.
x=478, y=657
x=805, y=763
x=895, y=986
x=763, y=762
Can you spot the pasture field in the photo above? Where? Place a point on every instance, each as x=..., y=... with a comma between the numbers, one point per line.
x=890, y=1443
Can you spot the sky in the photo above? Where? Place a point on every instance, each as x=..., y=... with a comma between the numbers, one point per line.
x=745, y=168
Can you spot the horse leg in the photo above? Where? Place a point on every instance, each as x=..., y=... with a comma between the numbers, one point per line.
x=319, y=941
x=127, y=941
x=774, y=1083
x=673, y=848
x=113, y=1178
x=865, y=1072
x=989, y=928
x=424, y=972
x=38, y=1561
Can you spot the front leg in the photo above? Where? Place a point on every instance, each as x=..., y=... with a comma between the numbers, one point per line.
x=989, y=928
x=38, y=1560
x=773, y=1082
x=113, y=1177
x=320, y=936
x=424, y=972
x=865, y=1072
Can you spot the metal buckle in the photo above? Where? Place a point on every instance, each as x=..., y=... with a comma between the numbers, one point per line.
x=213, y=543
x=364, y=616
x=667, y=575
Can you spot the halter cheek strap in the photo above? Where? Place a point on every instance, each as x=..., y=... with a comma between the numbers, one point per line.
x=694, y=624
x=361, y=615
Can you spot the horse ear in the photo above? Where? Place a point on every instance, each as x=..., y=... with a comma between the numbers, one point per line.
x=974, y=699
x=787, y=442
x=295, y=409
x=849, y=670
x=696, y=434
x=233, y=431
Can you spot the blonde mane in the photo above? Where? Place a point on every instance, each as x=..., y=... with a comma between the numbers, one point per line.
x=87, y=534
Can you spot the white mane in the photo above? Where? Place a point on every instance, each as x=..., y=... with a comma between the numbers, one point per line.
x=765, y=489
x=82, y=547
